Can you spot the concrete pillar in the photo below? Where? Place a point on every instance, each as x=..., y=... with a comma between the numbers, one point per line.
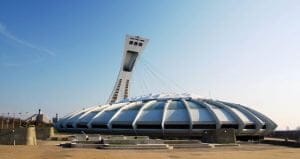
x=31, y=136
x=51, y=132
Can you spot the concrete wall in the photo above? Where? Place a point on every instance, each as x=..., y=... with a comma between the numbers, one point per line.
x=282, y=142
x=18, y=136
x=43, y=133
x=288, y=134
x=219, y=136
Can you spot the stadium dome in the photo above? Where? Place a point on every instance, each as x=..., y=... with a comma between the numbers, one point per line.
x=161, y=114
x=167, y=115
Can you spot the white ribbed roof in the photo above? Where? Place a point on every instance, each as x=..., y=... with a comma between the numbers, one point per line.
x=161, y=96
x=166, y=113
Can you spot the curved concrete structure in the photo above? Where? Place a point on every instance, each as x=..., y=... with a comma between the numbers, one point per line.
x=168, y=115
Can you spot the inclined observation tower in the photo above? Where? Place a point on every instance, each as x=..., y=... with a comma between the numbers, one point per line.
x=134, y=46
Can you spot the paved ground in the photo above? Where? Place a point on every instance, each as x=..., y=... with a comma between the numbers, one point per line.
x=50, y=151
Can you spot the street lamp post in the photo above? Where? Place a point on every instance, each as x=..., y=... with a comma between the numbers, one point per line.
x=20, y=123
x=7, y=121
x=2, y=121
x=13, y=122
x=26, y=116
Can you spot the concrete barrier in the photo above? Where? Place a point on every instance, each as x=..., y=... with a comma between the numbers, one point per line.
x=43, y=133
x=223, y=136
x=281, y=142
x=18, y=136
x=286, y=134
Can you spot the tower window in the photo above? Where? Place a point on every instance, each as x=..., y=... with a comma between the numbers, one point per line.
x=140, y=44
x=250, y=126
x=230, y=126
x=204, y=126
x=135, y=43
x=102, y=126
x=130, y=42
x=120, y=126
x=177, y=126
x=149, y=126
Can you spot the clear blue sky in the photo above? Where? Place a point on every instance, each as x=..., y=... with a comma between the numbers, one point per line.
x=63, y=55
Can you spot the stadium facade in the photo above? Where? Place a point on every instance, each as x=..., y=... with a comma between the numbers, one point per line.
x=182, y=115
